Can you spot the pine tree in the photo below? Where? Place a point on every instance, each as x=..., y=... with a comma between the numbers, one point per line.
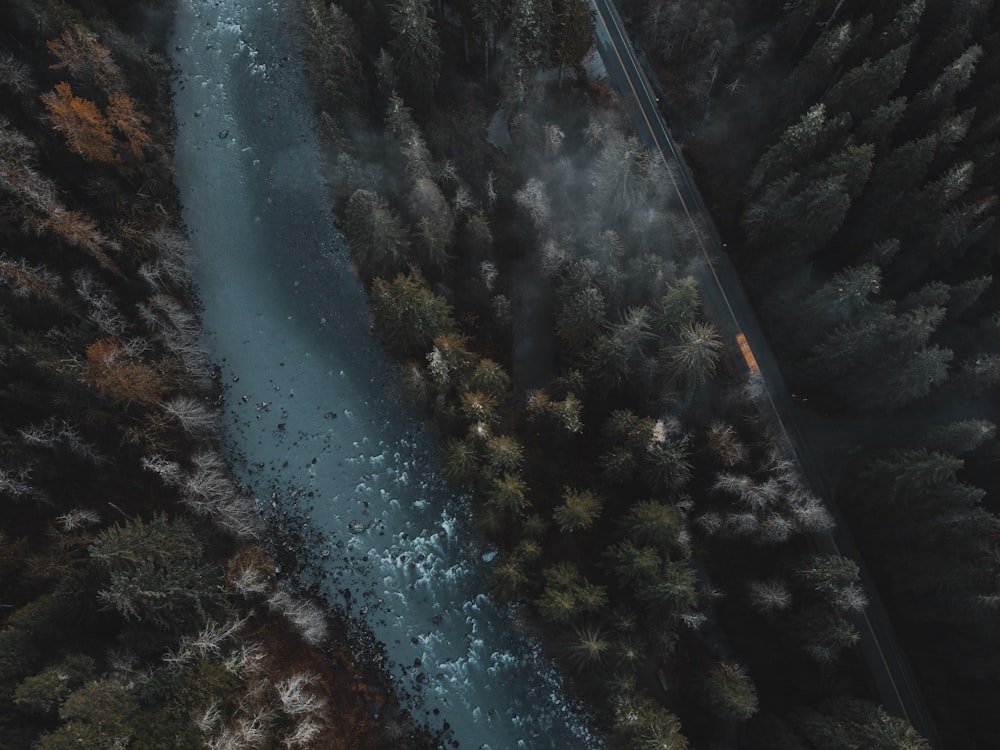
x=580, y=317
x=729, y=693
x=847, y=297
x=43, y=693
x=460, y=461
x=530, y=30
x=937, y=100
x=573, y=34
x=578, y=511
x=959, y=437
x=654, y=523
x=416, y=47
x=631, y=564
x=506, y=494
x=818, y=65
x=79, y=53
x=640, y=722
x=153, y=572
x=587, y=648
x=407, y=314
x=376, y=236
x=619, y=176
x=435, y=221
x=798, y=145
x=679, y=308
x=99, y=714
x=878, y=127
x=693, y=355
x=904, y=25
x=334, y=52
x=864, y=88
x=842, y=723
x=568, y=595
x=672, y=592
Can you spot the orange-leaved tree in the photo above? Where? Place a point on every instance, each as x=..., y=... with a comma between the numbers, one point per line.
x=89, y=62
x=86, y=129
x=129, y=122
x=110, y=369
x=107, y=125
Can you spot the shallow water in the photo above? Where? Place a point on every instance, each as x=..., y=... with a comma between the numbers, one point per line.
x=313, y=415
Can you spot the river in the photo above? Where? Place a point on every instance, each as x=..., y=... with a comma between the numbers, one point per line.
x=313, y=413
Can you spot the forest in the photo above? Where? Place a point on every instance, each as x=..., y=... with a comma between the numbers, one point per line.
x=539, y=294
x=849, y=151
x=534, y=275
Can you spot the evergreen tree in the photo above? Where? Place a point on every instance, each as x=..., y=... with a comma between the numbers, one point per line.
x=640, y=722
x=937, y=100
x=848, y=296
x=878, y=127
x=729, y=693
x=904, y=168
x=960, y=437
x=100, y=715
x=506, y=494
x=407, y=314
x=578, y=511
x=818, y=65
x=435, y=222
x=573, y=34
x=798, y=144
x=864, y=88
x=460, y=461
x=376, y=236
x=416, y=47
x=694, y=354
x=895, y=346
x=568, y=595
x=904, y=25
x=588, y=648
x=153, y=572
x=335, y=51
x=619, y=176
x=678, y=308
x=581, y=317
x=671, y=592
x=631, y=564
x=842, y=723
x=530, y=30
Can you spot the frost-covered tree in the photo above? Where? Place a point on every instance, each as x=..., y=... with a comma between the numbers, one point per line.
x=530, y=30
x=377, y=237
x=153, y=572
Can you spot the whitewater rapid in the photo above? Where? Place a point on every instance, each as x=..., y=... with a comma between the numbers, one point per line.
x=314, y=418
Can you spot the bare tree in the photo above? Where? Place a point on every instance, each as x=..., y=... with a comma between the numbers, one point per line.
x=534, y=201
x=769, y=596
x=296, y=696
x=197, y=419
x=307, y=618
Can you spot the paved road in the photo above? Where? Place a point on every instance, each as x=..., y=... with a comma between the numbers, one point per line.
x=726, y=303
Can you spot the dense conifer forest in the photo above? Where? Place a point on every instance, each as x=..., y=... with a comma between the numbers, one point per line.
x=849, y=152
x=531, y=270
x=539, y=294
